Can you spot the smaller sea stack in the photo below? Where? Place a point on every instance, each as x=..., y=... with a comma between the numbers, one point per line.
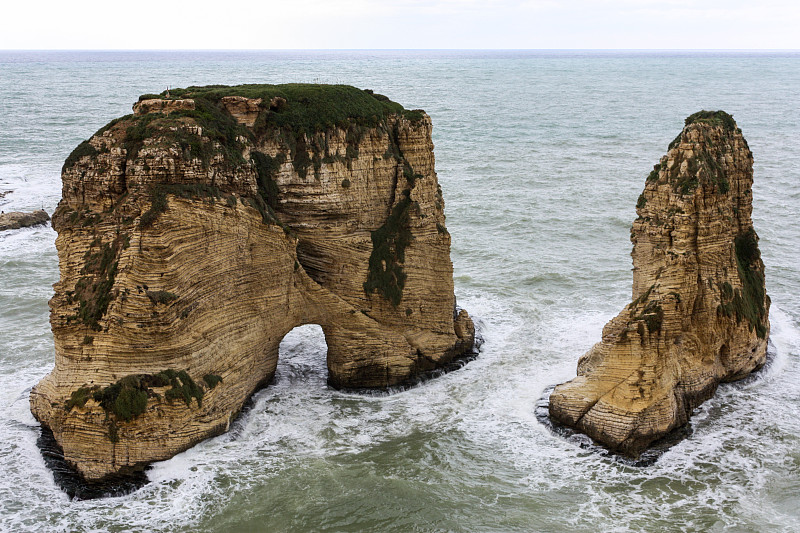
x=699, y=310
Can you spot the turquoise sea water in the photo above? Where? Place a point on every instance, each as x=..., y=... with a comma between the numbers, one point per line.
x=541, y=157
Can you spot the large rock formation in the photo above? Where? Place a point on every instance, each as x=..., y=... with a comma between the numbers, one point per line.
x=195, y=233
x=699, y=310
x=19, y=219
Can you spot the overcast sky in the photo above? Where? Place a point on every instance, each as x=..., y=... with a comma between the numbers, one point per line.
x=327, y=24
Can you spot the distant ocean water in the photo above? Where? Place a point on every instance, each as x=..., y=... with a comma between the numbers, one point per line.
x=541, y=157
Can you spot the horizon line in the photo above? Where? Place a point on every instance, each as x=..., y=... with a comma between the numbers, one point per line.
x=399, y=49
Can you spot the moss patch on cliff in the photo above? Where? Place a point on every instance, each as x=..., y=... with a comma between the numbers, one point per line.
x=220, y=127
x=190, y=191
x=703, y=167
x=84, y=149
x=750, y=302
x=389, y=244
x=127, y=398
x=183, y=387
x=266, y=168
x=78, y=398
x=93, y=289
x=652, y=314
x=653, y=176
x=212, y=380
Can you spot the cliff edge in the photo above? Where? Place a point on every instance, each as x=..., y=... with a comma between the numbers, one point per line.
x=198, y=231
x=699, y=314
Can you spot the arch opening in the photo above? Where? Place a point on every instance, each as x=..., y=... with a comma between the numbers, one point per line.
x=303, y=357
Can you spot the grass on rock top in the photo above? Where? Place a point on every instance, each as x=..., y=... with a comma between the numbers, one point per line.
x=308, y=107
x=716, y=118
x=301, y=109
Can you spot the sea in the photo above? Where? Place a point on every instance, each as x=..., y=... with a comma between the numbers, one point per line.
x=541, y=156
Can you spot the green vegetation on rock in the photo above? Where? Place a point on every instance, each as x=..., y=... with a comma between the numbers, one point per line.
x=703, y=166
x=79, y=398
x=183, y=387
x=159, y=192
x=297, y=114
x=306, y=107
x=653, y=176
x=127, y=398
x=750, y=302
x=93, y=290
x=389, y=242
x=715, y=118
x=266, y=168
x=212, y=380
x=653, y=315
x=715, y=172
x=221, y=132
x=82, y=150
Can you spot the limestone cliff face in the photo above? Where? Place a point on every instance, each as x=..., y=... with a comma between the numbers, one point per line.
x=197, y=232
x=699, y=310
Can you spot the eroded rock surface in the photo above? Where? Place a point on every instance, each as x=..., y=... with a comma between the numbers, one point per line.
x=699, y=314
x=19, y=219
x=192, y=236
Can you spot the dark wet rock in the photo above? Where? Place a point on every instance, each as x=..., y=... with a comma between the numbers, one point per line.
x=18, y=219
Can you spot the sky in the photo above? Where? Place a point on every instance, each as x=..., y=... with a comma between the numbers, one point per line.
x=400, y=24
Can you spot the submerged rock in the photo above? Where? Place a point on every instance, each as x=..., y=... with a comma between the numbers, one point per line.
x=699, y=314
x=197, y=232
x=18, y=219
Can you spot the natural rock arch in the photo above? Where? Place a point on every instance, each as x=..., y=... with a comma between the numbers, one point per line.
x=194, y=234
x=305, y=350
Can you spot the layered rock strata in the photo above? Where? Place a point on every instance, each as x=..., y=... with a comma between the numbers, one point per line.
x=19, y=219
x=197, y=232
x=699, y=310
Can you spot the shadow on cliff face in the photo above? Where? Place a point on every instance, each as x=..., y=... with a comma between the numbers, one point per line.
x=73, y=484
x=457, y=362
x=657, y=448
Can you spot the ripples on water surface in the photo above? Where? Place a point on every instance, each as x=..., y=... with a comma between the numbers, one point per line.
x=541, y=158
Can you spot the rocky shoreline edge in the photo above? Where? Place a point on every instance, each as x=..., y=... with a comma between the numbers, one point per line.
x=656, y=449
x=77, y=488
